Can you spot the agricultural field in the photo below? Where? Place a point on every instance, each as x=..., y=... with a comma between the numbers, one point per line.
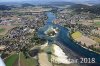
x=4, y=29
x=95, y=38
x=11, y=60
x=28, y=61
x=83, y=39
x=97, y=24
x=76, y=35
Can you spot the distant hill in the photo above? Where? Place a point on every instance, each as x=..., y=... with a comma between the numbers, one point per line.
x=27, y=5
x=85, y=8
x=97, y=5
x=60, y=3
x=4, y=7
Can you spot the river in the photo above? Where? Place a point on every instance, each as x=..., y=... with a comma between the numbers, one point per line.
x=63, y=38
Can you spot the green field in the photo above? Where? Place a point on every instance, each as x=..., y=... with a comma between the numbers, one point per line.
x=28, y=61
x=76, y=35
x=2, y=29
x=10, y=60
x=97, y=24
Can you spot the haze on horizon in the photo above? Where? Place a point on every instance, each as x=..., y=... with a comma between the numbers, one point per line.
x=49, y=0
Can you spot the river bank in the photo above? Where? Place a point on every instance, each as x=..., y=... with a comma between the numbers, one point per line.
x=71, y=55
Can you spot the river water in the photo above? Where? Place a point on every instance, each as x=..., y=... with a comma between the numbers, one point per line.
x=66, y=41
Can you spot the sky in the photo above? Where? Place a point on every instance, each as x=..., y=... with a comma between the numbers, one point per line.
x=49, y=0
x=41, y=0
